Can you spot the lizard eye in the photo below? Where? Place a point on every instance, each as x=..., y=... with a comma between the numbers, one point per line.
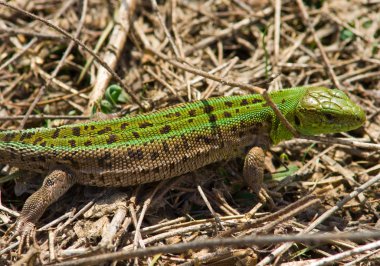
x=329, y=117
x=297, y=121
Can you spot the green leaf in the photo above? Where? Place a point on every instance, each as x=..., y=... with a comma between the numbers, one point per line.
x=283, y=172
x=367, y=24
x=112, y=94
x=346, y=34
x=284, y=157
x=106, y=107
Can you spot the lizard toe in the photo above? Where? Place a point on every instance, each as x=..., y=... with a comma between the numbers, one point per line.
x=8, y=236
x=26, y=230
x=265, y=198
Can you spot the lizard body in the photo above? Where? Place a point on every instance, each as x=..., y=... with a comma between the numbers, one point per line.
x=168, y=142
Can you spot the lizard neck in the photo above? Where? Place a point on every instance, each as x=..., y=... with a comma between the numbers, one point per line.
x=286, y=101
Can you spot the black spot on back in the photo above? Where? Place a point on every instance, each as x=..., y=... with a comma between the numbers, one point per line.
x=76, y=131
x=208, y=108
x=243, y=102
x=124, y=125
x=112, y=138
x=145, y=124
x=72, y=143
x=104, y=130
x=192, y=112
x=56, y=133
x=26, y=135
x=227, y=114
x=37, y=140
x=212, y=118
x=256, y=101
x=228, y=103
x=88, y=143
x=165, y=129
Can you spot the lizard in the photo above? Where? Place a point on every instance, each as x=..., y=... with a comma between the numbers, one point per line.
x=168, y=142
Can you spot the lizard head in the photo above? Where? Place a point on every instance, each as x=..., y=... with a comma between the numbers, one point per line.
x=322, y=110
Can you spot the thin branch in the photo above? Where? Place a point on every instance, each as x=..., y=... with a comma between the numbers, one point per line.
x=325, y=58
x=81, y=44
x=322, y=218
x=167, y=33
x=348, y=253
x=57, y=68
x=221, y=242
x=13, y=32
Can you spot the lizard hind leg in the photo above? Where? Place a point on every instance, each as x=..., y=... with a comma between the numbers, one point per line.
x=56, y=183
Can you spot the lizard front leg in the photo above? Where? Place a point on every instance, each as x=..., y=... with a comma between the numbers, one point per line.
x=55, y=185
x=253, y=173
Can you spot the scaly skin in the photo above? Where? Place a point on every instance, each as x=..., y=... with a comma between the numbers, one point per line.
x=168, y=142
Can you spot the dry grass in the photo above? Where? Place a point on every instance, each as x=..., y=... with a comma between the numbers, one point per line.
x=315, y=42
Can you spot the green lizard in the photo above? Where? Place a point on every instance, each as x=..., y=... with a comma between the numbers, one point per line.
x=169, y=142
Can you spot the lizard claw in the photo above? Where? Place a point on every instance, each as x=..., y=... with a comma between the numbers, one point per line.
x=265, y=198
x=25, y=230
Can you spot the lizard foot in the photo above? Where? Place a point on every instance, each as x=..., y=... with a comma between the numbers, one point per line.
x=26, y=231
x=265, y=198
